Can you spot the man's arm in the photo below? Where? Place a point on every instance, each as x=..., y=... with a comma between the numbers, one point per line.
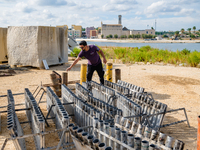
x=104, y=58
x=74, y=63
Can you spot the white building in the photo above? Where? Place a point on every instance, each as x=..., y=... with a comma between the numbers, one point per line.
x=74, y=33
x=107, y=29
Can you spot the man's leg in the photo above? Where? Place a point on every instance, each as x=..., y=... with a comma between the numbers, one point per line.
x=100, y=72
x=90, y=71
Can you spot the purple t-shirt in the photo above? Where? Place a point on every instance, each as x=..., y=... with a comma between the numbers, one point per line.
x=91, y=55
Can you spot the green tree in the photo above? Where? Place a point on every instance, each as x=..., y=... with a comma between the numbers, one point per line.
x=116, y=36
x=189, y=29
x=192, y=36
x=194, y=28
x=182, y=30
x=144, y=36
x=102, y=36
x=122, y=36
x=176, y=33
x=110, y=36
x=152, y=28
x=130, y=36
x=133, y=36
x=165, y=36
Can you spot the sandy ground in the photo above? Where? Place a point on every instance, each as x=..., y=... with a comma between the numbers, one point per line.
x=176, y=86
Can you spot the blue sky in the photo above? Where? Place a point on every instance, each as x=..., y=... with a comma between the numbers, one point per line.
x=136, y=14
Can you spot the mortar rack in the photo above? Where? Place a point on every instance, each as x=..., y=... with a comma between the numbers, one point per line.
x=102, y=117
x=37, y=121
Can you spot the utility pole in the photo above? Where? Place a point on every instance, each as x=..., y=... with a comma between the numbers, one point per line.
x=155, y=24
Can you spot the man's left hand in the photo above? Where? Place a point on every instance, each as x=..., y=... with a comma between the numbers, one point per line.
x=104, y=60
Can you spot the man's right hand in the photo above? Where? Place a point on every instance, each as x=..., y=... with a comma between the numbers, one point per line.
x=68, y=69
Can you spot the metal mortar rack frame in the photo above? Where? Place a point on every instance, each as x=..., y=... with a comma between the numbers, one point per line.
x=37, y=120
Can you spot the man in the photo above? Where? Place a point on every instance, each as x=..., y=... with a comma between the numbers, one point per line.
x=94, y=61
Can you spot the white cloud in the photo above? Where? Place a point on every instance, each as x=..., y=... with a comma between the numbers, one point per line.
x=50, y=2
x=162, y=7
x=22, y=7
x=47, y=14
x=129, y=2
x=136, y=14
x=186, y=12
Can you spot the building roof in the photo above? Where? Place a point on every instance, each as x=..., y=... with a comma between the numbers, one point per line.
x=112, y=24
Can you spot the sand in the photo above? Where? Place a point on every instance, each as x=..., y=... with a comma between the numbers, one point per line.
x=176, y=86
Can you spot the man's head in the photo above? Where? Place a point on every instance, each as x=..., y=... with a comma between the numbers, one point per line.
x=82, y=45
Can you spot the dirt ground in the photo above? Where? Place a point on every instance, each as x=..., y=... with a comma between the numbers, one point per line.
x=176, y=86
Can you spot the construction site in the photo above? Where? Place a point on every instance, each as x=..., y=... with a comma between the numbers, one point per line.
x=139, y=107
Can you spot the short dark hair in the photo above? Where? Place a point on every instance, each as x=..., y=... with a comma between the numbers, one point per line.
x=84, y=43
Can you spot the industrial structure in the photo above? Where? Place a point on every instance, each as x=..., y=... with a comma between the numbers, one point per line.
x=119, y=30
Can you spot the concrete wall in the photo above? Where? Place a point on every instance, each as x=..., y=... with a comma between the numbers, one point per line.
x=29, y=45
x=3, y=44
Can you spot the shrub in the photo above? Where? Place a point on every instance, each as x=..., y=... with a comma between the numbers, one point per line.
x=75, y=52
x=194, y=59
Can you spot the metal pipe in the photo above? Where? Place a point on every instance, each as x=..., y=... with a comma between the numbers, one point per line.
x=152, y=147
x=102, y=146
x=161, y=138
x=169, y=141
x=108, y=148
x=145, y=145
x=137, y=143
x=90, y=139
x=130, y=140
x=96, y=143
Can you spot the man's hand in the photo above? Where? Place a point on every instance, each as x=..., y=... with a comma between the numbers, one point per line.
x=68, y=69
x=104, y=60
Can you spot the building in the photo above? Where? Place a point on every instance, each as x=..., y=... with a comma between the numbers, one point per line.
x=107, y=29
x=88, y=31
x=74, y=33
x=117, y=29
x=146, y=31
x=93, y=34
x=77, y=28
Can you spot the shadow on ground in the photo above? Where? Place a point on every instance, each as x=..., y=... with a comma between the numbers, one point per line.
x=158, y=96
x=180, y=131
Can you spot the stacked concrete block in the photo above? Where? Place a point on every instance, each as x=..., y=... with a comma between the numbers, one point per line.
x=57, y=111
x=13, y=124
x=30, y=45
x=3, y=44
x=35, y=116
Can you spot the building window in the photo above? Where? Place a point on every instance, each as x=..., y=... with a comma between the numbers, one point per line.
x=146, y=32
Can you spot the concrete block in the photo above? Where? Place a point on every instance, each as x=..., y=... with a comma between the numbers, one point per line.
x=29, y=45
x=3, y=44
